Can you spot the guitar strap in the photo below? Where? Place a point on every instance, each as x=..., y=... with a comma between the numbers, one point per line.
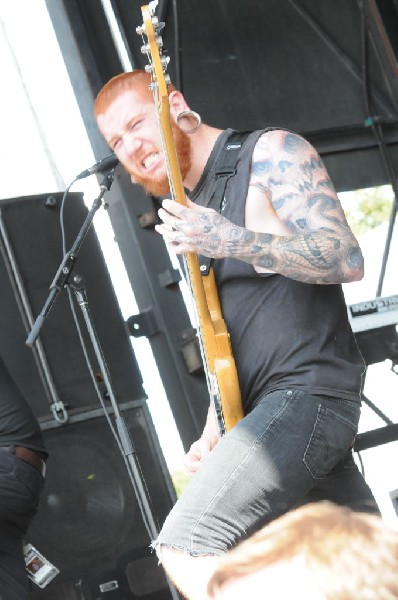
x=225, y=168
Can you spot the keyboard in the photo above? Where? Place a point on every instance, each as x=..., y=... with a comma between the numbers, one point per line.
x=373, y=314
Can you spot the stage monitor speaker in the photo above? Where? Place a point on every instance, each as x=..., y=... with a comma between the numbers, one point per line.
x=89, y=523
x=31, y=253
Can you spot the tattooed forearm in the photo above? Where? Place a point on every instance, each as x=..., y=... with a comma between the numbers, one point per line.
x=315, y=257
x=310, y=258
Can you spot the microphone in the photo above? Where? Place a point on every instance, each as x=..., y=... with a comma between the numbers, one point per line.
x=106, y=164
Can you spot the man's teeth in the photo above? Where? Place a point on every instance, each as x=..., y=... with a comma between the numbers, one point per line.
x=150, y=159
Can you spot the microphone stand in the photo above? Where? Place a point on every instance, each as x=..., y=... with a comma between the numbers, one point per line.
x=65, y=269
x=125, y=442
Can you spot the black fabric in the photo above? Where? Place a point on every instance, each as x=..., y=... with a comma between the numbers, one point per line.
x=284, y=333
x=13, y=581
x=20, y=485
x=18, y=425
x=225, y=168
x=20, y=489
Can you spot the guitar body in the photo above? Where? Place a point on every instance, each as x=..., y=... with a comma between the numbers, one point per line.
x=221, y=373
x=219, y=364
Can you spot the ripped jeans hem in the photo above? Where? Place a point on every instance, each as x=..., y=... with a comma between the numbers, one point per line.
x=158, y=546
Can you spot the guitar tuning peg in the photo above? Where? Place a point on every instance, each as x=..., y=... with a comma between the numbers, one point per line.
x=149, y=69
x=167, y=79
x=158, y=25
x=145, y=49
x=165, y=61
x=152, y=6
x=140, y=29
x=159, y=41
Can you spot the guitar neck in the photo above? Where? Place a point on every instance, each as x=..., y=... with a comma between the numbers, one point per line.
x=173, y=168
x=217, y=356
x=163, y=112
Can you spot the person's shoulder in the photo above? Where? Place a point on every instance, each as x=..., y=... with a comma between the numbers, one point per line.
x=283, y=140
x=279, y=135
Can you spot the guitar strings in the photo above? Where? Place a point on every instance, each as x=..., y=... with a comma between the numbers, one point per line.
x=210, y=381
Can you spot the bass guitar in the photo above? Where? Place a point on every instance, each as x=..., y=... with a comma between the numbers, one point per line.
x=218, y=361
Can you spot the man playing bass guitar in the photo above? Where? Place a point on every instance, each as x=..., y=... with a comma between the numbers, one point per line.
x=281, y=248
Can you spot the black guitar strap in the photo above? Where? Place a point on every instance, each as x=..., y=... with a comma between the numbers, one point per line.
x=225, y=169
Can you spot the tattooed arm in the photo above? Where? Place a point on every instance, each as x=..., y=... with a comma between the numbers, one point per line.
x=294, y=226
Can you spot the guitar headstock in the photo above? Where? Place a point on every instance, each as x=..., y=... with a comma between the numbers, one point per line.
x=153, y=48
x=157, y=68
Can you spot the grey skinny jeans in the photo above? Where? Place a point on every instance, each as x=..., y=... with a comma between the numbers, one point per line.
x=292, y=448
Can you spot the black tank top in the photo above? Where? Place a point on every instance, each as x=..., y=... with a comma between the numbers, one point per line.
x=284, y=333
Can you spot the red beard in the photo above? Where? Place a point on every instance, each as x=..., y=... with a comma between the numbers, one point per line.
x=161, y=187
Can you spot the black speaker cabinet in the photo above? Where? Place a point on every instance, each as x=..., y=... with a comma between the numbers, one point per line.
x=90, y=524
x=31, y=249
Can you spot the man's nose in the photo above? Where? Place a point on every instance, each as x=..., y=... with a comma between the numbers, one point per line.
x=132, y=143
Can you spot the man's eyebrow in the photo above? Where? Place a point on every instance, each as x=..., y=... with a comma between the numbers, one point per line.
x=118, y=135
x=113, y=139
x=129, y=123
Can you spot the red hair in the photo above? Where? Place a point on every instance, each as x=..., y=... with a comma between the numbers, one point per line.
x=138, y=80
x=348, y=554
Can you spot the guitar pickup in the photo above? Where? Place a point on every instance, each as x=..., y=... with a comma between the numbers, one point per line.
x=190, y=348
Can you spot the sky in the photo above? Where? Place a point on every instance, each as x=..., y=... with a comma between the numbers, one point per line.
x=45, y=146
